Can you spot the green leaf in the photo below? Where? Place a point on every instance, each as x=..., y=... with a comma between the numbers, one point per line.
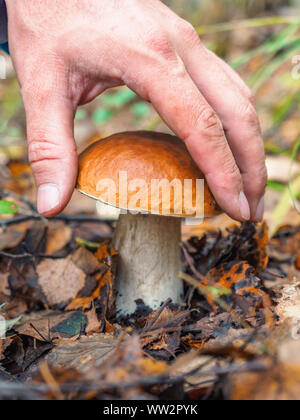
x=119, y=99
x=83, y=243
x=247, y=23
x=262, y=75
x=80, y=114
x=8, y=207
x=276, y=186
x=219, y=292
x=140, y=110
x=274, y=44
x=71, y=326
x=102, y=115
x=276, y=150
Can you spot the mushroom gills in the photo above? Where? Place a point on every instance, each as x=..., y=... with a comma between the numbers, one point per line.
x=149, y=261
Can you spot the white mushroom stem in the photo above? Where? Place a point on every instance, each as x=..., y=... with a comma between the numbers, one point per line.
x=150, y=261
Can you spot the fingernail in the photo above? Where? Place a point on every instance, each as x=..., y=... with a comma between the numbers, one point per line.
x=48, y=198
x=259, y=215
x=244, y=207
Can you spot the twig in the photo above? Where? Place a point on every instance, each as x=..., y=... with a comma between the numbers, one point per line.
x=37, y=331
x=61, y=217
x=15, y=256
x=50, y=380
x=253, y=366
x=160, y=330
x=190, y=262
x=31, y=256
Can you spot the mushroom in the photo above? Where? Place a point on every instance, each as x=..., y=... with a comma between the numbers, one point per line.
x=149, y=176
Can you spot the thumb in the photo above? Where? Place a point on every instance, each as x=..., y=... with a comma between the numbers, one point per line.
x=51, y=148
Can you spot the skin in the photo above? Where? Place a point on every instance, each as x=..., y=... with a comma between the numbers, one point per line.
x=68, y=52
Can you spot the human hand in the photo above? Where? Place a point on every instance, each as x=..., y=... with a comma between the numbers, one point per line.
x=68, y=52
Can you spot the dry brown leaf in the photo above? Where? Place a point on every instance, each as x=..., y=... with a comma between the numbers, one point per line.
x=262, y=242
x=4, y=285
x=58, y=236
x=189, y=362
x=109, y=328
x=13, y=236
x=60, y=280
x=93, y=325
x=85, y=354
x=281, y=383
x=86, y=261
x=297, y=262
x=85, y=302
x=19, y=168
x=50, y=325
x=104, y=252
x=236, y=280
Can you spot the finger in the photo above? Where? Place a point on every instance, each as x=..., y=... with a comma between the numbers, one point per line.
x=235, y=78
x=187, y=113
x=51, y=146
x=239, y=119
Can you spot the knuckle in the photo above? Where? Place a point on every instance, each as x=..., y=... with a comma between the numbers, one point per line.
x=231, y=171
x=229, y=178
x=262, y=177
x=158, y=41
x=41, y=150
x=257, y=181
x=178, y=71
x=248, y=114
x=187, y=31
x=210, y=123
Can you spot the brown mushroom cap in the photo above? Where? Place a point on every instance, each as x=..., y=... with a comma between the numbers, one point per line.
x=144, y=156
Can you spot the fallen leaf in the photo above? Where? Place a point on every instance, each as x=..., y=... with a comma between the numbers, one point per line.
x=58, y=236
x=93, y=324
x=60, y=280
x=85, y=354
x=85, y=302
x=104, y=252
x=234, y=280
x=187, y=365
x=50, y=325
x=280, y=383
x=260, y=253
x=297, y=262
x=12, y=236
x=8, y=207
x=86, y=261
x=4, y=285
